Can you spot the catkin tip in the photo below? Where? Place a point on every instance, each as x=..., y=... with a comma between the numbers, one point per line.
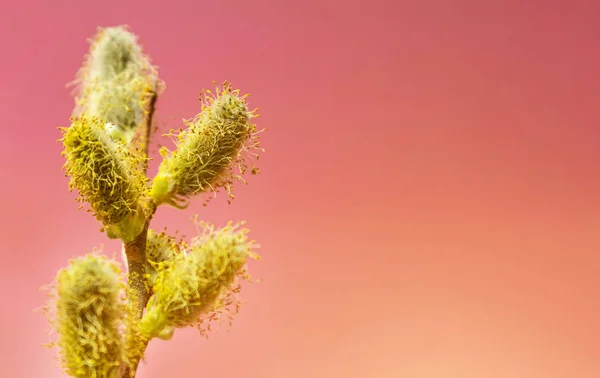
x=117, y=82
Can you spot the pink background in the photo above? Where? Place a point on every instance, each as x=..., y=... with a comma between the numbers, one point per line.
x=430, y=198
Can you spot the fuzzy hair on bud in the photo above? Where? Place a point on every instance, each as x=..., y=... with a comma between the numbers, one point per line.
x=107, y=176
x=196, y=283
x=87, y=317
x=160, y=248
x=117, y=81
x=113, y=51
x=208, y=150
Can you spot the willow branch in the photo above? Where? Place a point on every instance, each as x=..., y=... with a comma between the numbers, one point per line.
x=148, y=126
x=138, y=290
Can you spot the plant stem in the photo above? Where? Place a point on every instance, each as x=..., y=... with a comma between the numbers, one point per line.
x=148, y=130
x=138, y=290
x=136, y=257
x=137, y=296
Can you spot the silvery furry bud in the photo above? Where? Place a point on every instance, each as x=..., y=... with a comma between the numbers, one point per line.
x=117, y=81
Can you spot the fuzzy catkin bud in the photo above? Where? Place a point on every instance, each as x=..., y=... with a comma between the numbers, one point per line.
x=106, y=175
x=116, y=81
x=88, y=313
x=191, y=285
x=208, y=149
x=113, y=51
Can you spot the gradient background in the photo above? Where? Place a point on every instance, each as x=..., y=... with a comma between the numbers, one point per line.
x=430, y=198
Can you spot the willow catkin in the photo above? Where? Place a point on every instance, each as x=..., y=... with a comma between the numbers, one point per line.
x=191, y=284
x=116, y=81
x=107, y=176
x=208, y=150
x=88, y=314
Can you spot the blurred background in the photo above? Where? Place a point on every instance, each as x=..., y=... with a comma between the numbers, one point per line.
x=429, y=203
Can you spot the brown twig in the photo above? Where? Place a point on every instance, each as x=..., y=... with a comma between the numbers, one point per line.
x=138, y=290
x=137, y=296
x=148, y=125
